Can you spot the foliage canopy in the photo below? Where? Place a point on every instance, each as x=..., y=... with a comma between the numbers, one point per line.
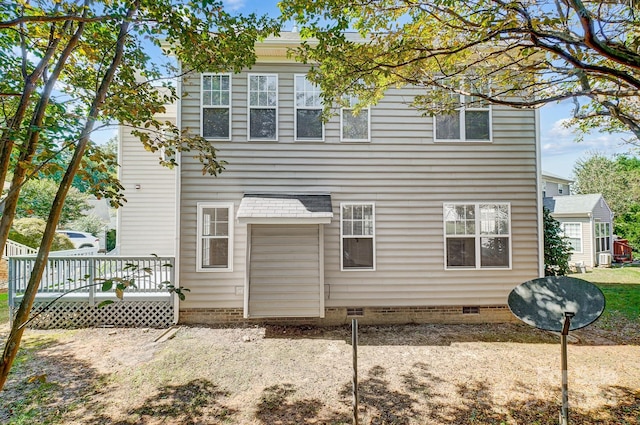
x=529, y=53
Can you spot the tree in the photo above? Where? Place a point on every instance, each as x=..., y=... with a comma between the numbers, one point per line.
x=65, y=71
x=557, y=249
x=36, y=199
x=599, y=173
x=618, y=180
x=29, y=231
x=528, y=53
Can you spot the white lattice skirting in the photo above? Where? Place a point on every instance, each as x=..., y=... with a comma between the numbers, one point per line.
x=78, y=314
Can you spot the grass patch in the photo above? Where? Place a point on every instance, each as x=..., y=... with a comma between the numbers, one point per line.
x=621, y=288
x=618, y=275
x=4, y=308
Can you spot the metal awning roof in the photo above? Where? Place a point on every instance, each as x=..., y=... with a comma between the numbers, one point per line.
x=285, y=208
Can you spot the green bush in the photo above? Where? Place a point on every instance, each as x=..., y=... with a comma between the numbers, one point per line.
x=557, y=249
x=29, y=231
x=111, y=239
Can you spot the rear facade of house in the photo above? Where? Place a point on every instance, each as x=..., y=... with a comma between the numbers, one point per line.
x=389, y=215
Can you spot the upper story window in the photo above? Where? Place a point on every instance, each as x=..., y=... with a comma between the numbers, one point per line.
x=215, y=237
x=471, y=121
x=355, y=128
x=216, y=106
x=573, y=233
x=308, y=110
x=357, y=236
x=477, y=236
x=263, y=107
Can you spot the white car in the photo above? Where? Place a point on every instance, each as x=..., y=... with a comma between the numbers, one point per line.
x=81, y=239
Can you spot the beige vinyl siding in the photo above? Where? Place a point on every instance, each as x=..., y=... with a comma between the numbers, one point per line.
x=401, y=170
x=587, y=255
x=284, y=278
x=147, y=221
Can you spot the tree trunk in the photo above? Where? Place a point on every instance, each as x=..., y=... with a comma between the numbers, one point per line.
x=22, y=316
x=7, y=139
x=31, y=142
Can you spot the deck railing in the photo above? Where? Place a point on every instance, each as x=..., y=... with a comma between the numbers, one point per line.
x=12, y=249
x=87, y=274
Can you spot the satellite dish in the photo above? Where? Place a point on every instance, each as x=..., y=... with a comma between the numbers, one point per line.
x=543, y=302
x=561, y=304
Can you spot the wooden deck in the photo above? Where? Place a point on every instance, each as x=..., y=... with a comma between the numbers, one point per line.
x=73, y=289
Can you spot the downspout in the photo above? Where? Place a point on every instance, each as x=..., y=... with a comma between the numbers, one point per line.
x=177, y=228
x=539, y=202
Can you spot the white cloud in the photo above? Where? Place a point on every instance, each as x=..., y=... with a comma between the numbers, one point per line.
x=234, y=4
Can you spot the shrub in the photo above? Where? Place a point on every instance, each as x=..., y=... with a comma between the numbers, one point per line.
x=557, y=249
x=29, y=231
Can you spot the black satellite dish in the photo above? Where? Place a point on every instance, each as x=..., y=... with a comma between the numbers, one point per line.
x=560, y=304
x=543, y=302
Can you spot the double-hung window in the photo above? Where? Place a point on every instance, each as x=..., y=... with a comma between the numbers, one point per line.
x=215, y=237
x=470, y=121
x=357, y=236
x=603, y=237
x=263, y=107
x=477, y=236
x=308, y=106
x=573, y=233
x=354, y=128
x=216, y=106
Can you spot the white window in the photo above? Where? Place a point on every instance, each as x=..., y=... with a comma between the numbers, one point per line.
x=263, y=107
x=573, y=233
x=354, y=128
x=308, y=106
x=215, y=237
x=477, y=236
x=216, y=106
x=357, y=236
x=471, y=121
x=603, y=237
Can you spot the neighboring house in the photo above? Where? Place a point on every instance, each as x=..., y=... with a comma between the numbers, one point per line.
x=553, y=185
x=389, y=215
x=587, y=222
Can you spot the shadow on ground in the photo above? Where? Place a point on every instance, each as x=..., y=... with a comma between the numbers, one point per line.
x=73, y=392
x=419, y=334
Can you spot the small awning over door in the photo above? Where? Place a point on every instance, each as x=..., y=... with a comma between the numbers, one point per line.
x=285, y=209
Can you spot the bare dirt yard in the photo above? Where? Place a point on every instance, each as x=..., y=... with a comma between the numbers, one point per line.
x=414, y=374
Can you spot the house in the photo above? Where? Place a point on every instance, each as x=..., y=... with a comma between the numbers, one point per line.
x=147, y=221
x=587, y=222
x=553, y=185
x=389, y=216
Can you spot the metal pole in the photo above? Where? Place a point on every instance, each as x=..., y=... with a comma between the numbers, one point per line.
x=564, y=413
x=354, y=346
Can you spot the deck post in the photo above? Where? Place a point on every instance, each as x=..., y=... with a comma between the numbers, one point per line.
x=92, y=281
x=11, y=288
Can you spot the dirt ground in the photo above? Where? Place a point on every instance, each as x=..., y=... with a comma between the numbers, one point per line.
x=415, y=374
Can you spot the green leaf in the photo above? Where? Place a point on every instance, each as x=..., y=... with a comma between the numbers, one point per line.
x=107, y=285
x=105, y=303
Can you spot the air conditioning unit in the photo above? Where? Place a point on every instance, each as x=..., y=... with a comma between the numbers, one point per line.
x=604, y=259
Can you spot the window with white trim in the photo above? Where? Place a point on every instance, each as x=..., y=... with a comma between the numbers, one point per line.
x=471, y=121
x=263, y=106
x=308, y=110
x=354, y=128
x=357, y=236
x=603, y=237
x=573, y=233
x=477, y=235
x=215, y=102
x=215, y=237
